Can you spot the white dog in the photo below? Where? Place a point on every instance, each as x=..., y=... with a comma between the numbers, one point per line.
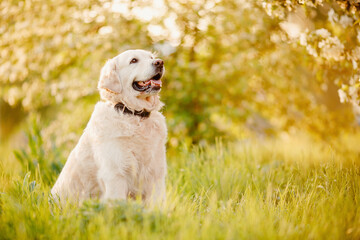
x=121, y=153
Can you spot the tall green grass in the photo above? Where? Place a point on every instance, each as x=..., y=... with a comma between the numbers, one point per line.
x=294, y=189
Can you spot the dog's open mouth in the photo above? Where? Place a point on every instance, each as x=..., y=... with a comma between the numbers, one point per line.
x=154, y=83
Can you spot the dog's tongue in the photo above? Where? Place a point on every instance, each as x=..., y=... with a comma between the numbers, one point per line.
x=155, y=83
x=151, y=82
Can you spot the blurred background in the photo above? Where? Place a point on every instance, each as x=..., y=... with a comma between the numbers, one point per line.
x=235, y=69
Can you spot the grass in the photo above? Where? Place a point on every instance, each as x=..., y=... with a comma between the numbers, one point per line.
x=294, y=189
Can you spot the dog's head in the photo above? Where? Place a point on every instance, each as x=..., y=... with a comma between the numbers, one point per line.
x=133, y=78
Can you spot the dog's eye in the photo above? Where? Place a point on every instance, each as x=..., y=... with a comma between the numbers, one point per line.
x=134, y=60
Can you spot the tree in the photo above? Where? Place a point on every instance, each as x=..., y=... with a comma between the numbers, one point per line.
x=333, y=39
x=231, y=69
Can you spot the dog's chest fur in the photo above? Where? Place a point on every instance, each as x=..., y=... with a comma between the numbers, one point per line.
x=138, y=144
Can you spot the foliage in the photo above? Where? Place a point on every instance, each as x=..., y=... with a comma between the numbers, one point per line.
x=333, y=38
x=49, y=49
x=36, y=160
x=231, y=70
x=290, y=189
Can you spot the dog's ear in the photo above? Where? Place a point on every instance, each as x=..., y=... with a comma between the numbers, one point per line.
x=109, y=77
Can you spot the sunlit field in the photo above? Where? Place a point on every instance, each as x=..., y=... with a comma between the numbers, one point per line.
x=262, y=107
x=271, y=190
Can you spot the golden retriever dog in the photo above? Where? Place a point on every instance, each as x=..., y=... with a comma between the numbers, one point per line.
x=121, y=153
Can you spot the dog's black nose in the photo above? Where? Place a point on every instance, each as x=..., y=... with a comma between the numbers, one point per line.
x=158, y=63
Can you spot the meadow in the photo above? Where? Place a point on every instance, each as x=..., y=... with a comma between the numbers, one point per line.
x=277, y=189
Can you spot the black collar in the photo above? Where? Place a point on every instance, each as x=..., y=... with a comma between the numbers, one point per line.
x=120, y=107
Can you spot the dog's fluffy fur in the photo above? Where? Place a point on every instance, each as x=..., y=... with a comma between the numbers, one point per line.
x=119, y=155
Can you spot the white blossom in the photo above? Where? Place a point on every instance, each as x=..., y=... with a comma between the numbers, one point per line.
x=331, y=48
x=105, y=30
x=356, y=53
x=268, y=8
x=13, y=96
x=345, y=21
x=311, y=51
x=354, y=63
x=353, y=91
x=342, y=95
x=355, y=79
x=303, y=39
x=322, y=32
x=292, y=29
x=332, y=16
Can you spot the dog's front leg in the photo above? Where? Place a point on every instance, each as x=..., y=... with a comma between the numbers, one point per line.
x=155, y=194
x=114, y=187
x=111, y=174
